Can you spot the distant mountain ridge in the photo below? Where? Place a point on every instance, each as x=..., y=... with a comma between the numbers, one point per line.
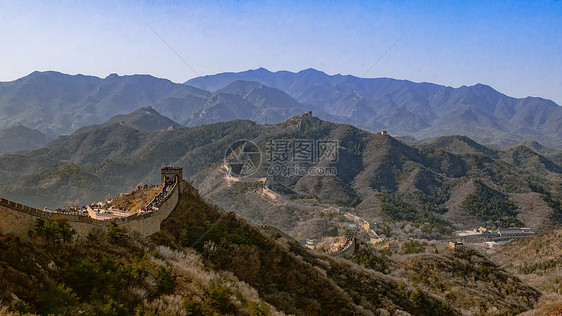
x=418, y=109
x=144, y=119
x=57, y=104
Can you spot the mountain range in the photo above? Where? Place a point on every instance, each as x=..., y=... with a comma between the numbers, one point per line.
x=378, y=177
x=211, y=257
x=205, y=259
x=383, y=180
x=406, y=108
x=144, y=119
x=58, y=104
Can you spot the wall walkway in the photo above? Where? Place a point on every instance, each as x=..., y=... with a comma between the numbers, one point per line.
x=19, y=219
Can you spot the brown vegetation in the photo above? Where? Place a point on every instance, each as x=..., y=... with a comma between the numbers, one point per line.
x=135, y=200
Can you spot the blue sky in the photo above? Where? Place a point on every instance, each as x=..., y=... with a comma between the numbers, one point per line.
x=516, y=47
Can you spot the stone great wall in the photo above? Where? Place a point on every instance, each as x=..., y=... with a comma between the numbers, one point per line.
x=19, y=219
x=348, y=248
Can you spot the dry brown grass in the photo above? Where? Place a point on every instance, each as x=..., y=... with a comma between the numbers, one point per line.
x=525, y=252
x=549, y=305
x=136, y=200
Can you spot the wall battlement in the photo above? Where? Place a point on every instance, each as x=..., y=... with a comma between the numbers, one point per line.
x=171, y=173
x=19, y=219
x=345, y=252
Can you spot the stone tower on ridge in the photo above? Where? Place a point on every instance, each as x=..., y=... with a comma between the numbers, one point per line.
x=170, y=173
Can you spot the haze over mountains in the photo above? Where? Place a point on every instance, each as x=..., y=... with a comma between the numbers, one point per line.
x=57, y=104
x=406, y=108
x=144, y=119
x=19, y=137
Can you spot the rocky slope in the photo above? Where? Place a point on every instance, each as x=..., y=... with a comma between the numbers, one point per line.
x=205, y=261
x=536, y=261
x=376, y=176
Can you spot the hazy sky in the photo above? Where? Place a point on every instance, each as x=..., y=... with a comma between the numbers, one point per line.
x=515, y=47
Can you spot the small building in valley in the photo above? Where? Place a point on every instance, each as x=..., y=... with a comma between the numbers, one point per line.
x=506, y=234
x=456, y=244
x=482, y=234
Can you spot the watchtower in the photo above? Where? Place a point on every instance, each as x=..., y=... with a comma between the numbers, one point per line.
x=171, y=173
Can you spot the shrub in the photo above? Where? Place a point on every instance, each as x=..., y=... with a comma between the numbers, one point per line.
x=167, y=281
x=218, y=296
x=112, y=308
x=55, y=230
x=386, y=252
x=116, y=233
x=258, y=309
x=85, y=278
x=491, y=205
x=58, y=300
x=413, y=246
x=397, y=209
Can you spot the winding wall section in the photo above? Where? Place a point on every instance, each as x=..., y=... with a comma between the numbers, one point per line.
x=19, y=219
